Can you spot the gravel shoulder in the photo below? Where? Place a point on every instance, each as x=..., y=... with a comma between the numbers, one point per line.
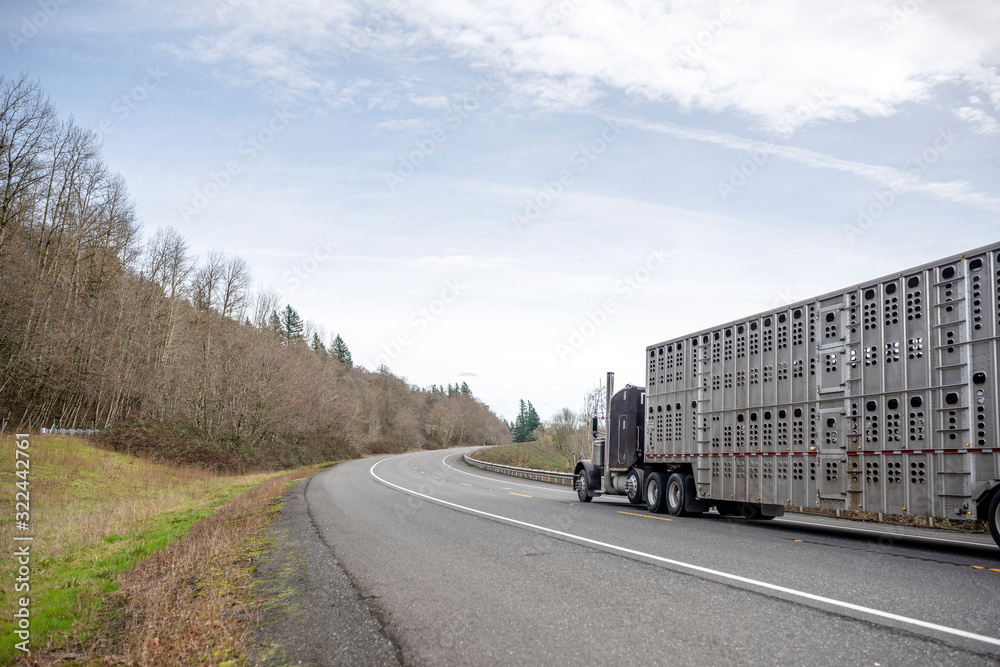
x=312, y=614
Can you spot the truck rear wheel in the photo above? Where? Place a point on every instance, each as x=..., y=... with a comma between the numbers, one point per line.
x=633, y=487
x=994, y=517
x=656, y=501
x=582, y=485
x=677, y=494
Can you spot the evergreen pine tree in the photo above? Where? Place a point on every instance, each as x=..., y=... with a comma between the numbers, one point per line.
x=465, y=389
x=291, y=326
x=527, y=421
x=339, y=349
x=316, y=345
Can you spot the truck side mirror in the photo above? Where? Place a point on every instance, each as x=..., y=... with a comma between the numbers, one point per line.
x=593, y=427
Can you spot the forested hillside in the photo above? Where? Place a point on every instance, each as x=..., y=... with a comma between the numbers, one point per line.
x=101, y=326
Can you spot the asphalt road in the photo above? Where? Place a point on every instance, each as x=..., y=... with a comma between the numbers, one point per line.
x=466, y=567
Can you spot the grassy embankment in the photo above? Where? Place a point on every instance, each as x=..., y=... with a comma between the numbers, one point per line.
x=536, y=455
x=134, y=561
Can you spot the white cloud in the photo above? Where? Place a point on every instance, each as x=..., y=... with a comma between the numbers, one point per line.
x=982, y=122
x=762, y=59
x=437, y=264
x=898, y=179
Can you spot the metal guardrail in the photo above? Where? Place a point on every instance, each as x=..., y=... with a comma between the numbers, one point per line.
x=70, y=431
x=563, y=478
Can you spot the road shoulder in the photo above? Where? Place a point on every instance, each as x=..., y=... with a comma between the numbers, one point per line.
x=311, y=612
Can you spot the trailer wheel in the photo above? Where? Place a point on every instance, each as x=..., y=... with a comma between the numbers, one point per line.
x=656, y=500
x=633, y=487
x=994, y=517
x=678, y=487
x=582, y=485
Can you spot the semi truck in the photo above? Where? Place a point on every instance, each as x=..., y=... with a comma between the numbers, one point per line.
x=878, y=398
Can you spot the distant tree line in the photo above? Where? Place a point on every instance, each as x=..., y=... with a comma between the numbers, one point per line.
x=100, y=327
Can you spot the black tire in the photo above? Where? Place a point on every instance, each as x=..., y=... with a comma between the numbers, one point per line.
x=633, y=487
x=582, y=486
x=677, y=489
x=994, y=517
x=654, y=491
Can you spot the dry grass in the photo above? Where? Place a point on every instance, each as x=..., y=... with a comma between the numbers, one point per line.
x=536, y=455
x=95, y=514
x=190, y=604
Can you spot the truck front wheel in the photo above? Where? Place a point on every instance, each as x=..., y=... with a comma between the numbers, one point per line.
x=582, y=484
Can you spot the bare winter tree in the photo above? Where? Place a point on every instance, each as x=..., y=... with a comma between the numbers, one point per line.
x=27, y=123
x=236, y=281
x=265, y=302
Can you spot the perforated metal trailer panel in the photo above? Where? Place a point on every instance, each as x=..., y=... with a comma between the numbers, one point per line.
x=881, y=397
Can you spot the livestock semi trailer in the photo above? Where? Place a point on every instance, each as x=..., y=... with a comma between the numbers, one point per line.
x=881, y=398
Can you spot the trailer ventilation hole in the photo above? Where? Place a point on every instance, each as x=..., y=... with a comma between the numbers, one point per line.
x=767, y=321
x=830, y=317
x=716, y=335
x=948, y=272
x=890, y=288
x=871, y=406
x=694, y=404
x=975, y=264
x=797, y=313
x=913, y=282
x=659, y=408
x=781, y=414
x=739, y=329
x=916, y=402
x=729, y=333
x=892, y=403
x=782, y=318
x=869, y=294
x=951, y=398
x=753, y=416
x=831, y=422
x=652, y=353
x=739, y=417
x=979, y=378
x=678, y=406
x=798, y=412
x=668, y=407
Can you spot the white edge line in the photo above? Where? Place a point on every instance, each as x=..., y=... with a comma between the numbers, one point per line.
x=494, y=479
x=698, y=568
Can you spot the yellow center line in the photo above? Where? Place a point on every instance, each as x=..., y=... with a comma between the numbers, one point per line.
x=464, y=484
x=518, y=494
x=646, y=516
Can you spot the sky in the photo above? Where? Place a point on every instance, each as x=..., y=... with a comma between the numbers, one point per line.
x=524, y=195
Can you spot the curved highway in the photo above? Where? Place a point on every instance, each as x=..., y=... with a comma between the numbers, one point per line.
x=467, y=567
